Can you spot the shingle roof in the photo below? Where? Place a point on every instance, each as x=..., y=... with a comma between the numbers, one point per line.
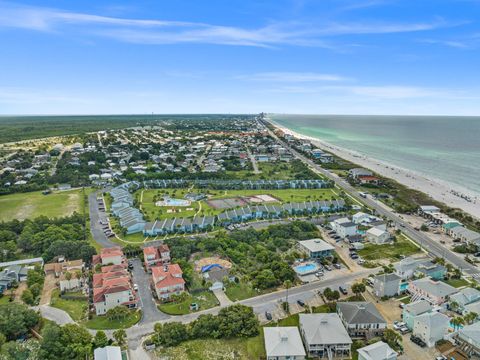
x=324, y=329
x=283, y=341
x=377, y=351
x=360, y=312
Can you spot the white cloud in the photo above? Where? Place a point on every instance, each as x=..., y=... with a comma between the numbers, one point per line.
x=154, y=31
x=292, y=77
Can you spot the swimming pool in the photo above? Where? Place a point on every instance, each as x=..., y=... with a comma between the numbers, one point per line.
x=305, y=268
x=403, y=286
x=173, y=202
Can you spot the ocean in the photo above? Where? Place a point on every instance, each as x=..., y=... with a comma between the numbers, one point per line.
x=443, y=147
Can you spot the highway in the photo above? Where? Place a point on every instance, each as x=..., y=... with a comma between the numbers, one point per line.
x=432, y=247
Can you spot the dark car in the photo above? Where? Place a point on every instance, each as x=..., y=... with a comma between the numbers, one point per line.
x=268, y=316
x=300, y=302
x=343, y=290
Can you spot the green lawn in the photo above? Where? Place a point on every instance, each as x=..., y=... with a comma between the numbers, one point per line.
x=205, y=299
x=389, y=251
x=30, y=205
x=103, y=323
x=240, y=291
x=77, y=309
x=202, y=208
x=457, y=283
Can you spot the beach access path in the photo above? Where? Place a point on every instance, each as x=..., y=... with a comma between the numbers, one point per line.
x=425, y=242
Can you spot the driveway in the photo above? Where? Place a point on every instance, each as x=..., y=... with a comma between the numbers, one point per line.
x=95, y=216
x=222, y=298
x=59, y=316
x=147, y=303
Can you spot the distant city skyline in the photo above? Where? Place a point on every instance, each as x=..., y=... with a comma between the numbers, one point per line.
x=281, y=56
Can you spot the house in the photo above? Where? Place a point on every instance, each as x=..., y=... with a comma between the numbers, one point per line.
x=468, y=340
x=386, y=285
x=410, y=311
x=361, y=319
x=463, y=298
x=216, y=276
x=110, y=256
x=156, y=255
x=434, y=271
x=360, y=218
x=368, y=179
x=283, y=343
x=325, y=336
x=406, y=268
x=437, y=292
x=377, y=351
x=344, y=227
x=431, y=327
x=377, y=236
x=58, y=268
x=316, y=248
x=108, y=353
x=70, y=281
x=17, y=273
x=111, y=289
x=465, y=235
x=167, y=280
x=356, y=172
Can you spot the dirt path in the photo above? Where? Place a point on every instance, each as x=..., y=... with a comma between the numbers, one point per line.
x=48, y=286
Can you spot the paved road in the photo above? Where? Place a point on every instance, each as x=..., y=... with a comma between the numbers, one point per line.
x=54, y=314
x=260, y=304
x=432, y=247
x=95, y=216
x=147, y=303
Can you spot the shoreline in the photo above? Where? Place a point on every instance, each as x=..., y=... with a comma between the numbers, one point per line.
x=438, y=190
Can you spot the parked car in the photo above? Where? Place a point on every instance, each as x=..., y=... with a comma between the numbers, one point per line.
x=328, y=268
x=268, y=316
x=343, y=290
x=135, y=287
x=337, y=266
x=403, y=330
x=300, y=302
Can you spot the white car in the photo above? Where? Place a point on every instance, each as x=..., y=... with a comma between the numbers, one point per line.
x=135, y=287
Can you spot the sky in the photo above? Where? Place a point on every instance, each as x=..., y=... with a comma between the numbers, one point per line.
x=240, y=56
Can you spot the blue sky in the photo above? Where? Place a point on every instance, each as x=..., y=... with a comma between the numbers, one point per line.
x=219, y=56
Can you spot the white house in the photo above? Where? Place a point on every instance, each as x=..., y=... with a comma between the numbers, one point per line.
x=360, y=217
x=431, y=327
x=377, y=351
x=344, y=227
x=377, y=236
x=283, y=343
x=325, y=336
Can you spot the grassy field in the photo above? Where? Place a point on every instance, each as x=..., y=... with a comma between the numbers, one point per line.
x=205, y=300
x=30, y=205
x=240, y=291
x=391, y=251
x=77, y=309
x=457, y=283
x=103, y=323
x=202, y=208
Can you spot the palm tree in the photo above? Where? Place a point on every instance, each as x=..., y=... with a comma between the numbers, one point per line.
x=470, y=317
x=453, y=305
x=457, y=321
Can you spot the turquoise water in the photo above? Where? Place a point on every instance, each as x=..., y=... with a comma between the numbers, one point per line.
x=306, y=268
x=177, y=202
x=403, y=286
x=443, y=147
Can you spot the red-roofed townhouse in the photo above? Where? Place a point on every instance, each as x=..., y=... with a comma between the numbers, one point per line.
x=111, y=289
x=156, y=255
x=168, y=280
x=110, y=256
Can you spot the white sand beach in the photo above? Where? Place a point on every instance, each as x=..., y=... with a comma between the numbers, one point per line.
x=439, y=190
